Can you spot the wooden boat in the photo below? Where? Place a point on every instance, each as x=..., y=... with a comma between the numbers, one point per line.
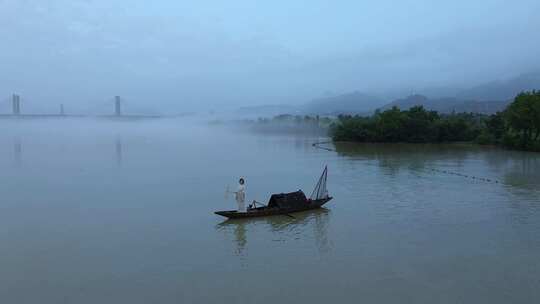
x=286, y=203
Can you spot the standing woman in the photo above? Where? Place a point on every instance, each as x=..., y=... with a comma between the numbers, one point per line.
x=241, y=195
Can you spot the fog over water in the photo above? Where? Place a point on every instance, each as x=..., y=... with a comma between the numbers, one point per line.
x=173, y=56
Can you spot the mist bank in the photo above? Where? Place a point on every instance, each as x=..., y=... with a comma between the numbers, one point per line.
x=281, y=125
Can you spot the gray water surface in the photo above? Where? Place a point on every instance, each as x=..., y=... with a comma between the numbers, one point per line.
x=122, y=212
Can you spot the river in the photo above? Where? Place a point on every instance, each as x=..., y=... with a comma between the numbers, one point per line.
x=122, y=212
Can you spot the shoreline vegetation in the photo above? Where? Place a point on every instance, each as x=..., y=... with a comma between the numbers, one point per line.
x=517, y=127
x=290, y=124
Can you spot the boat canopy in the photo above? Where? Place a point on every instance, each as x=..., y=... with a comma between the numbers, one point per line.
x=287, y=200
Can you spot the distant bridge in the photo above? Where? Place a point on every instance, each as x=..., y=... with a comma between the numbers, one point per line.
x=16, y=111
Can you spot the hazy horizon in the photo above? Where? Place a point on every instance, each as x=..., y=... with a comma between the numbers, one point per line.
x=171, y=56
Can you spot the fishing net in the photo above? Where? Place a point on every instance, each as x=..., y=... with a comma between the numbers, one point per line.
x=320, y=191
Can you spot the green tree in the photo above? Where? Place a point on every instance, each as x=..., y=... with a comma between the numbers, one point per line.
x=389, y=125
x=496, y=125
x=419, y=125
x=523, y=117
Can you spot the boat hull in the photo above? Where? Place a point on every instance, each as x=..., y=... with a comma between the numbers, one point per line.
x=265, y=211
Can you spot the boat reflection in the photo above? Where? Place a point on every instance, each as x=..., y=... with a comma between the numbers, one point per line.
x=297, y=226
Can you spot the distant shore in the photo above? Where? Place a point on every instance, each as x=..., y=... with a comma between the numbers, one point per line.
x=518, y=127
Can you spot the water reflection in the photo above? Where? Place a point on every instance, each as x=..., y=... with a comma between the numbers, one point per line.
x=17, y=152
x=239, y=231
x=301, y=143
x=119, y=151
x=411, y=156
x=396, y=235
x=523, y=171
x=282, y=228
x=513, y=168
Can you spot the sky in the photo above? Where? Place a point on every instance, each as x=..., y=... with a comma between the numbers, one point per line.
x=170, y=56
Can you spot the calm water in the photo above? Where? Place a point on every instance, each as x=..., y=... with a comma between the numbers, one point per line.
x=119, y=212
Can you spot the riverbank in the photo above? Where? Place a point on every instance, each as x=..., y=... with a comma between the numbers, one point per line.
x=518, y=127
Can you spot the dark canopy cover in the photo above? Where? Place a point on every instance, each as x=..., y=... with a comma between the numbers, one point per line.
x=288, y=200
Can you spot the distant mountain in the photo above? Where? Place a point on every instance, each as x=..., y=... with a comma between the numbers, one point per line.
x=448, y=105
x=483, y=107
x=487, y=98
x=502, y=90
x=406, y=103
x=355, y=102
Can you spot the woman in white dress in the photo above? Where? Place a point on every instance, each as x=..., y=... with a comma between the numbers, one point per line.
x=241, y=195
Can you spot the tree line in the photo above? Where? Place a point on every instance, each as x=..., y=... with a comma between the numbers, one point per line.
x=293, y=124
x=517, y=127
